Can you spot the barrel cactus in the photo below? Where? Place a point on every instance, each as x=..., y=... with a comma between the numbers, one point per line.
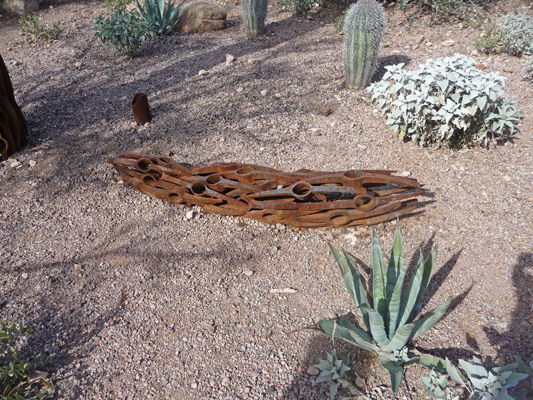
x=364, y=28
x=254, y=14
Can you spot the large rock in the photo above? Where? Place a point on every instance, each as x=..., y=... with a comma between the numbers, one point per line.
x=20, y=7
x=201, y=17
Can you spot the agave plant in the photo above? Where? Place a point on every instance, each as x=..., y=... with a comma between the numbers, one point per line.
x=388, y=317
x=164, y=18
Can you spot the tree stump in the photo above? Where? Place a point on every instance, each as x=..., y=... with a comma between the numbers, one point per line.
x=13, y=132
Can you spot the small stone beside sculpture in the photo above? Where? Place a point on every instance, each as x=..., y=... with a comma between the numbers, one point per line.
x=13, y=131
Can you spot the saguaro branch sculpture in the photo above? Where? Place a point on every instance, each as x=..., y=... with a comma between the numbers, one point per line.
x=303, y=198
x=13, y=133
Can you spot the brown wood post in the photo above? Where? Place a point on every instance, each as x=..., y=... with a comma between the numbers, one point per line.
x=13, y=131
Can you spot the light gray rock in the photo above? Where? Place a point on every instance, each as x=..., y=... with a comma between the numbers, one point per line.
x=20, y=7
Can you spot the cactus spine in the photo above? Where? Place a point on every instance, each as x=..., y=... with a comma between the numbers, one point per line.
x=364, y=27
x=254, y=14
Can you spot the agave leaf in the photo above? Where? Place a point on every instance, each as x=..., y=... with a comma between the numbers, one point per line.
x=345, y=330
x=425, y=324
x=141, y=10
x=396, y=373
x=409, y=299
x=429, y=264
x=160, y=6
x=395, y=301
x=352, y=281
x=377, y=327
x=174, y=16
x=379, y=276
x=395, y=263
x=400, y=338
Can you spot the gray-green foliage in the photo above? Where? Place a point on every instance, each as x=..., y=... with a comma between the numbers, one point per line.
x=254, y=13
x=443, y=9
x=435, y=385
x=331, y=370
x=387, y=315
x=518, y=34
x=493, y=383
x=446, y=101
x=333, y=373
x=163, y=18
x=125, y=31
x=18, y=377
x=364, y=27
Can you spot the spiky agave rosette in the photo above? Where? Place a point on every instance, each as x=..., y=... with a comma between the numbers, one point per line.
x=364, y=27
x=388, y=317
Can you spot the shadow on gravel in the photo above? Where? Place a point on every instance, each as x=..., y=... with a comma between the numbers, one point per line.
x=515, y=338
x=303, y=385
x=387, y=61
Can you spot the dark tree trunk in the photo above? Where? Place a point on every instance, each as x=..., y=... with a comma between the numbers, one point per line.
x=13, y=132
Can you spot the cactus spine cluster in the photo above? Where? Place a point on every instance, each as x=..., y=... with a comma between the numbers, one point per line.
x=254, y=14
x=364, y=27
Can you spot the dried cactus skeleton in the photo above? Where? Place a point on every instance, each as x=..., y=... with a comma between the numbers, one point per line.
x=304, y=198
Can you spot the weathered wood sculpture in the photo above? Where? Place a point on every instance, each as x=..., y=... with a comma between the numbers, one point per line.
x=13, y=132
x=304, y=198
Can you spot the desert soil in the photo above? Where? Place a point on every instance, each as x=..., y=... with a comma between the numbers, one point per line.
x=135, y=298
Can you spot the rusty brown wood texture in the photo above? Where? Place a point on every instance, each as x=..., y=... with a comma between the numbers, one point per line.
x=13, y=132
x=304, y=198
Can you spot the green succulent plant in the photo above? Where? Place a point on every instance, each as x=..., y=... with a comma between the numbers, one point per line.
x=364, y=27
x=332, y=369
x=254, y=13
x=494, y=383
x=435, y=385
x=164, y=17
x=388, y=317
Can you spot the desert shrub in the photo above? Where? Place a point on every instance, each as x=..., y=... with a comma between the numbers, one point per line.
x=443, y=9
x=29, y=25
x=491, y=40
x=125, y=31
x=299, y=7
x=115, y=5
x=388, y=316
x=18, y=376
x=518, y=34
x=446, y=101
x=162, y=18
x=338, y=24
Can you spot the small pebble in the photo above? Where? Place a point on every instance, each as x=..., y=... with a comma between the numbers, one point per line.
x=202, y=72
x=312, y=370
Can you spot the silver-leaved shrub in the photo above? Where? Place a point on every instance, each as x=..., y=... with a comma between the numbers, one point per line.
x=446, y=101
x=518, y=34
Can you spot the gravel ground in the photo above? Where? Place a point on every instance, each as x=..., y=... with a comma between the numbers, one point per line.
x=138, y=299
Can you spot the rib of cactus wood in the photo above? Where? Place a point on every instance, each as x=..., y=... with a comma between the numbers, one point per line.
x=303, y=198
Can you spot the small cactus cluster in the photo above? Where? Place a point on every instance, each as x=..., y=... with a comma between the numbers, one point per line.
x=254, y=14
x=364, y=28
